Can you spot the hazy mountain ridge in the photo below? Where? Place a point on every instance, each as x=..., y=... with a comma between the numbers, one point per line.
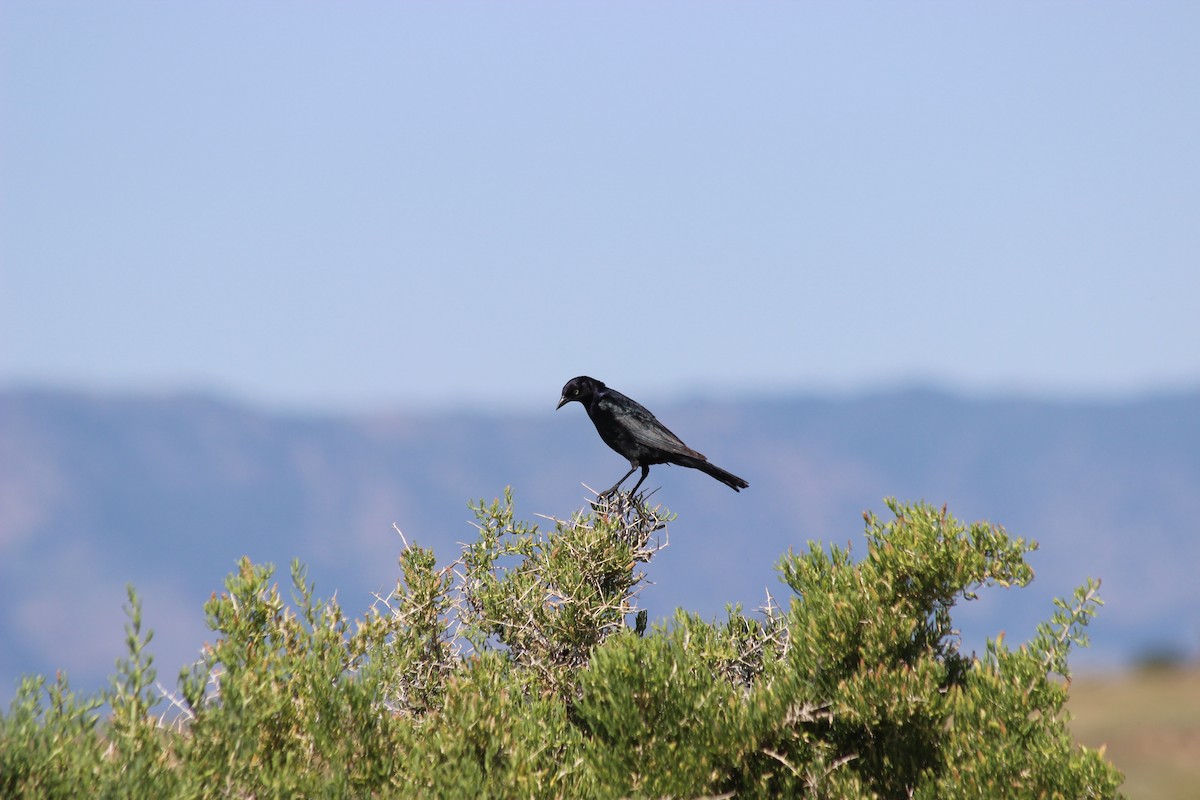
x=168, y=492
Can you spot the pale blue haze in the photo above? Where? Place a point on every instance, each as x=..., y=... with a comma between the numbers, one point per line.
x=329, y=205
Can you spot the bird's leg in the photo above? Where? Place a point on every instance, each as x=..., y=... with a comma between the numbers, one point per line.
x=623, y=477
x=645, y=472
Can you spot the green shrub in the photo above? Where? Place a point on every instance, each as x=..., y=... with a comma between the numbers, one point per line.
x=525, y=669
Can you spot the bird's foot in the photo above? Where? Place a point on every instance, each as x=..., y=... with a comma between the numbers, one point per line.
x=626, y=505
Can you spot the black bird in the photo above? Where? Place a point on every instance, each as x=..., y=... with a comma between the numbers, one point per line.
x=627, y=427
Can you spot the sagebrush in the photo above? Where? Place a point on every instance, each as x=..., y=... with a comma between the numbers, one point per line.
x=525, y=668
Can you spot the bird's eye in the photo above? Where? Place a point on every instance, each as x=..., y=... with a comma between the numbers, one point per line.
x=575, y=392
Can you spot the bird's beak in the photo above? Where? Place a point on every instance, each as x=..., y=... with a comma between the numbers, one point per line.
x=562, y=401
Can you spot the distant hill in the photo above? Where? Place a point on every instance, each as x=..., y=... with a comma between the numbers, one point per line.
x=167, y=492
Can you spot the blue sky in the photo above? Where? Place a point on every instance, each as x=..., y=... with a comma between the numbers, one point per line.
x=333, y=206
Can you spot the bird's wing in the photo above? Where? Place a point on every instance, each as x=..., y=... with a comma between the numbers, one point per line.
x=643, y=426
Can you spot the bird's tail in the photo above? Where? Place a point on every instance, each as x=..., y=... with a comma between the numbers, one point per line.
x=727, y=478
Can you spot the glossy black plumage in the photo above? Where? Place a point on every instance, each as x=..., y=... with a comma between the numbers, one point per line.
x=627, y=427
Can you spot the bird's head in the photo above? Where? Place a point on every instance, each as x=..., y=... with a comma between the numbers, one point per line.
x=580, y=390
